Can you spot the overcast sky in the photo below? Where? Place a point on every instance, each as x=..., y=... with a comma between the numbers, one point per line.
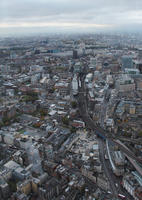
x=75, y=15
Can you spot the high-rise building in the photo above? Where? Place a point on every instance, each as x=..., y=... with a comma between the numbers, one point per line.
x=140, y=54
x=138, y=62
x=127, y=62
x=75, y=54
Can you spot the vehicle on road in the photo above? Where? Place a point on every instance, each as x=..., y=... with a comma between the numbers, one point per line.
x=116, y=184
x=121, y=196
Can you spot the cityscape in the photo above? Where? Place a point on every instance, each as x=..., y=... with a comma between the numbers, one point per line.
x=70, y=101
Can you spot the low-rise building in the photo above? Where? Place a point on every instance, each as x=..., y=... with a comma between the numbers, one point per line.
x=125, y=83
x=78, y=124
x=103, y=183
x=132, y=183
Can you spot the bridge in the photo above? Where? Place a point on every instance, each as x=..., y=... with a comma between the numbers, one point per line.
x=132, y=161
x=134, y=141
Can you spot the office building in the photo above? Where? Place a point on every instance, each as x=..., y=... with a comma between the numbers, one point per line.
x=127, y=62
x=75, y=54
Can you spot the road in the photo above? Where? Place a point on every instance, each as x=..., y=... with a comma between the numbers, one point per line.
x=107, y=170
x=103, y=111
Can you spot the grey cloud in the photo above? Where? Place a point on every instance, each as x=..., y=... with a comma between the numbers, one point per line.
x=111, y=12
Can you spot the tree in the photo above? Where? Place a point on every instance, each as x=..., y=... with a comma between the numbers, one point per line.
x=73, y=104
x=12, y=185
x=140, y=134
x=30, y=97
x=6, y=121
x=1, y=124
x=43, y=112
x=52, y=90
x=37, y=124
x=65, y=120
x=127, y=134
x=73, y=130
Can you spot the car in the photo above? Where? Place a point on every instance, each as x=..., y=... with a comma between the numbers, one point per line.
x=106, y=156
x=121, y=196
x=116, y=184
